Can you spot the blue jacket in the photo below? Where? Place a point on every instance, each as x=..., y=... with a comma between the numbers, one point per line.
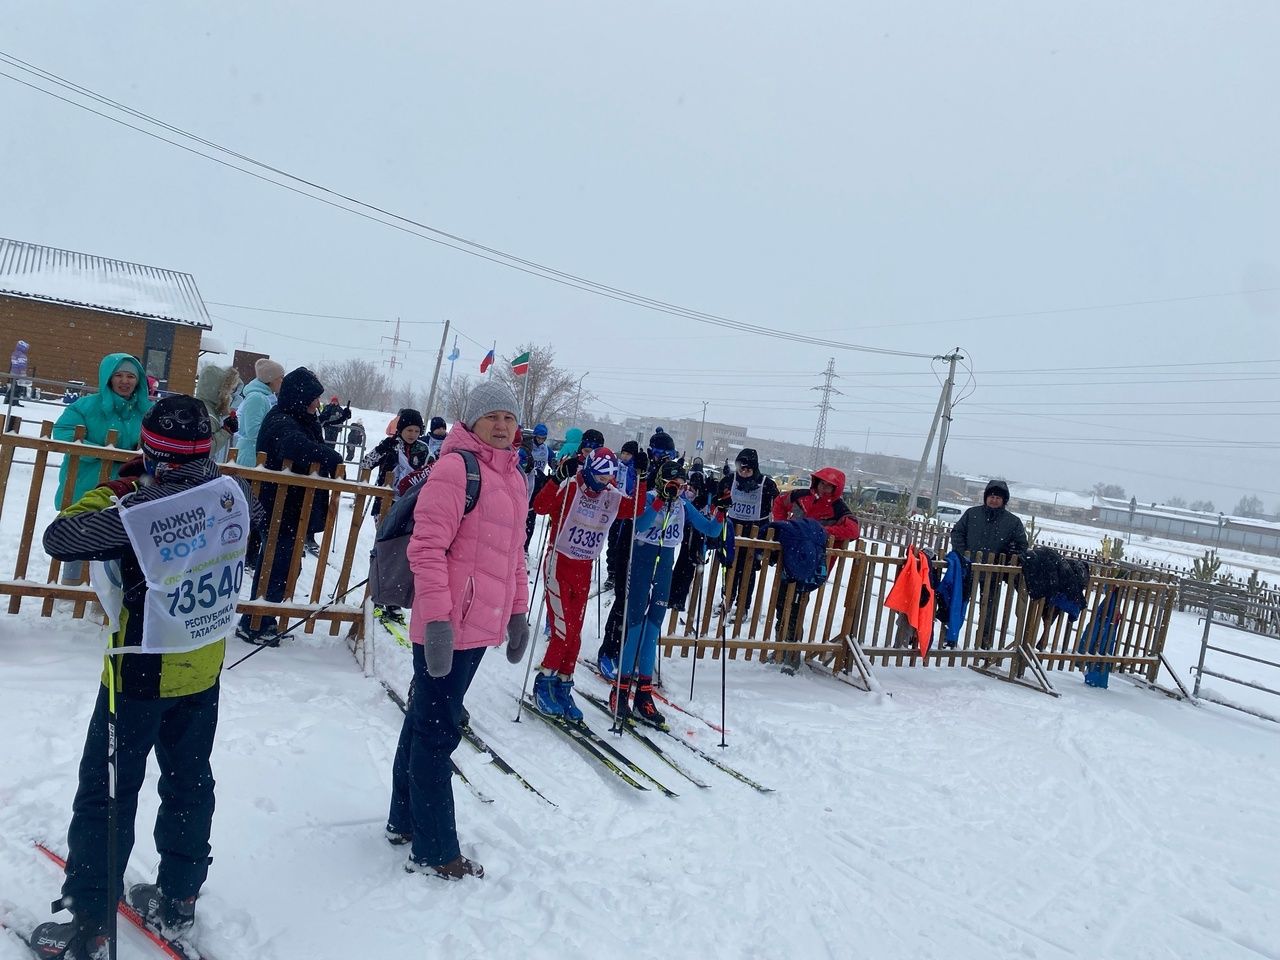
x=101, y=413
x=951, y=596
x=804, y=549
x=258, y=401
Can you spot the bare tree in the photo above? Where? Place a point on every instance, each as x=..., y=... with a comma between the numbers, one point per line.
x=551, y=390
x=362, y=382
x=452, y=397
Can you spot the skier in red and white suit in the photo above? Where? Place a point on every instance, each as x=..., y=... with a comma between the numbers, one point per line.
x=581, y=509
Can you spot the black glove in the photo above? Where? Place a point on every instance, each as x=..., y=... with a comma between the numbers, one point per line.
x=641, y=462
x=566, y=467
x=231, y=423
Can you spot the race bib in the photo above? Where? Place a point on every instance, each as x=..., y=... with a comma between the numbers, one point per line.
x=745, y=507
x=191, y=548
x=586, y=523
x=668, y=530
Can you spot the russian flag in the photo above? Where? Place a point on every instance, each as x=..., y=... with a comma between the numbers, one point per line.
x=486, y=362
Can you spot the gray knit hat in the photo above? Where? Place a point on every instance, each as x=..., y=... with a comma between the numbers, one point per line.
x=486, y=397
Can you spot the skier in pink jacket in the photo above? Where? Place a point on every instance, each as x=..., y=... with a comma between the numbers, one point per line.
x=471, y=591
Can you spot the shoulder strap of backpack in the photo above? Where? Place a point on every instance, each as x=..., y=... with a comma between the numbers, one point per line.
x=473, y=479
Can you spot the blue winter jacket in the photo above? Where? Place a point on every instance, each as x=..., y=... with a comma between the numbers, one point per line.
x=951, y=593
x=804, y=549
x=100, y=413
x=258, y=401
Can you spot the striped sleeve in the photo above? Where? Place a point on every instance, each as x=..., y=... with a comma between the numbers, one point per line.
x=88, y=530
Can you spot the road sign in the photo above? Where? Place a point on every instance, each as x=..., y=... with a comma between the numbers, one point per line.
x=698, y=445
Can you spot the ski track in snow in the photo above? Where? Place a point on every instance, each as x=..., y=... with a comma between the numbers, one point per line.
x=961, y=818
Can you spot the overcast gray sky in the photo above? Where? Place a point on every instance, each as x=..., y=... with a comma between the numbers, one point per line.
x=911, y=177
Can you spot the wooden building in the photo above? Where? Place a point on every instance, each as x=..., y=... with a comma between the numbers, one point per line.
x=74, y=309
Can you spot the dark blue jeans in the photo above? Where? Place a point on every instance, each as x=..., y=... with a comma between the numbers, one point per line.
x=270, y=581
x=181, y=730
x=421, y=779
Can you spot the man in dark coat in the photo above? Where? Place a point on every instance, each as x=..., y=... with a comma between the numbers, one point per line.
x=290, y=431
x=992, y=530
x=332, y=417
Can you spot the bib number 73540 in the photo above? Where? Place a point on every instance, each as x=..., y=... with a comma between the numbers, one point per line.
x=204, y=593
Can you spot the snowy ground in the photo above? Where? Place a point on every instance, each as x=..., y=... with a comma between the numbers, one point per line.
x=957, y=818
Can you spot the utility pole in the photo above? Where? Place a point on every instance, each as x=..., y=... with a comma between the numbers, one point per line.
x=578, y=399
x=820, y=433
x=702, y=430
x=396, y=341
x=941, y=416
x=435, y=377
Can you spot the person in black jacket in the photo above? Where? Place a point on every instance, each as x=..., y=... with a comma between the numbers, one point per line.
x=332, y=416
x=290, y=431
x=746, y=497
x=991, y=530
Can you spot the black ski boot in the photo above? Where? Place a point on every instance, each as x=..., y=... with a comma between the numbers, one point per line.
x=646, y=711
x=618, y=697
x=69, y=941
x=169, y=915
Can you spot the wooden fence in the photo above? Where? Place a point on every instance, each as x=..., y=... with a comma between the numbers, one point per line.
x=49, y=584
x=845, y=625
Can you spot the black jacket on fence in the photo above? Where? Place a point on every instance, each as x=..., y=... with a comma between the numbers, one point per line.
x=289, y=432
x=981, y=529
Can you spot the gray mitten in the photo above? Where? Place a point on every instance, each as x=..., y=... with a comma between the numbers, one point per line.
x=439, y=648
x=517, y=637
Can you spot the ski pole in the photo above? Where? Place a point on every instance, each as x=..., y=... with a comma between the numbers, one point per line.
x=537, y=570
x=303, y=622
x=113, y=812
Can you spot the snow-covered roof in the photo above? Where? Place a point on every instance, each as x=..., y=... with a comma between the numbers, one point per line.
x=1062, y=498
x=64, y=276
x=211, y=344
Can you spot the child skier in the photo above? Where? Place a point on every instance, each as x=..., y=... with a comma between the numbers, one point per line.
x=659, y=532
x=399, y=455
x=581, y=509
x=162, y=693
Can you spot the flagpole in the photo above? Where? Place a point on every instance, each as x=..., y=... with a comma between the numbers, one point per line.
x=526, y=414
x=495, y=357
x=435, y=377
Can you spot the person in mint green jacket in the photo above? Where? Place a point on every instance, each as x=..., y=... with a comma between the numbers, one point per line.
x=259, y=398
x=118, y=405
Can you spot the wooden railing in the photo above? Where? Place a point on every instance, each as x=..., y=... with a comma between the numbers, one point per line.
x=339, y=539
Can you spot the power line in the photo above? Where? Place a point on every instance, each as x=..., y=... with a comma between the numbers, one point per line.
x=415, y=227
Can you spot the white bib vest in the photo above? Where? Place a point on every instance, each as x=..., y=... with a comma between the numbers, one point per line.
x=191, y=549
x=746, y=505
x=668, y=530
x=586, y=523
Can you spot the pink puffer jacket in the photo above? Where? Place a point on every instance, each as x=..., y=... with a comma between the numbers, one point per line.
x=470, y=570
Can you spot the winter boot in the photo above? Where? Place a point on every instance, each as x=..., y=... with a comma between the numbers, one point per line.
x=608, y=666
x=310, y=547
x=608, y=584
x=646, y=711
x=394, y=614
x=562, y=691
x=267, y=635
x=397, y=838
x=619, y=697
x=69, y=941
x=171, y=916
x=544, y=698
x=455, y=869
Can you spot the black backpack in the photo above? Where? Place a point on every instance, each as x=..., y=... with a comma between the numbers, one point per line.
x=390, y=579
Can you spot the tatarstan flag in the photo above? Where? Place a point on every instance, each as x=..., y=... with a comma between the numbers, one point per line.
x=520, y=365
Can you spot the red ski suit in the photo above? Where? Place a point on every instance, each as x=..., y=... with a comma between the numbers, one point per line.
x=568, y=562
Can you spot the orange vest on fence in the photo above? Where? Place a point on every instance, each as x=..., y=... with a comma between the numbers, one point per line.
x=912, y=596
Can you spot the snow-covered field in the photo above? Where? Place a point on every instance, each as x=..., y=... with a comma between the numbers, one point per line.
x=956, y=817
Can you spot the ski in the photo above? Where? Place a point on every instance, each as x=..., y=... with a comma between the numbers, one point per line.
x=172, y=948
x=482, y=745
x=653, y=747
x=658, y=695
x=708, y=757
x=593, y=745
x=396, y=629
x=457, y=770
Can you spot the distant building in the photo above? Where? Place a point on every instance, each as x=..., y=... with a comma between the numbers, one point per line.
x=721, y=441
x=1214, y=529
x=74, y=308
